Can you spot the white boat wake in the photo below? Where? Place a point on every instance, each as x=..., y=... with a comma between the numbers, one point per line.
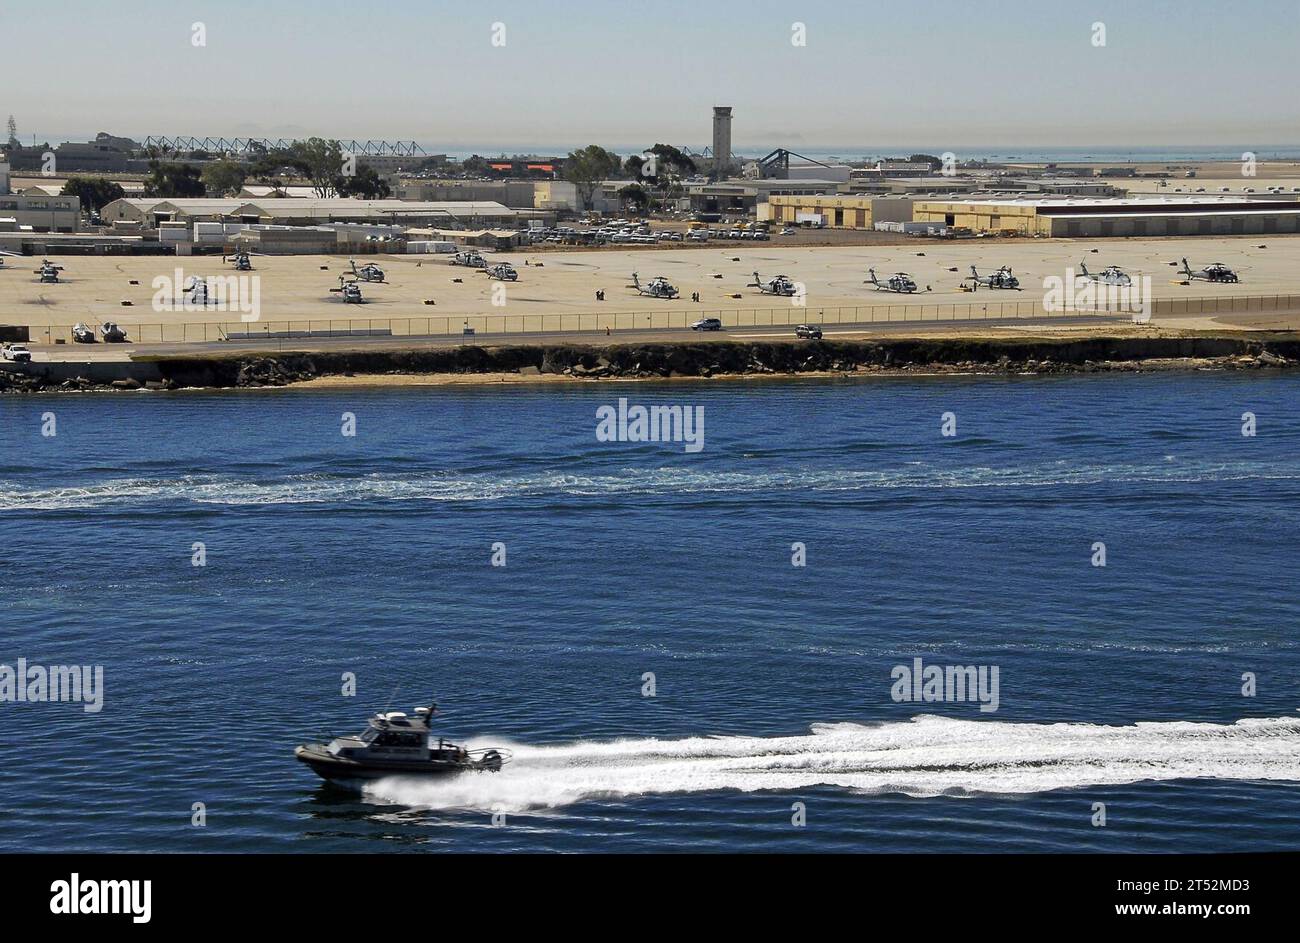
x=925, y=756
x=325, y=487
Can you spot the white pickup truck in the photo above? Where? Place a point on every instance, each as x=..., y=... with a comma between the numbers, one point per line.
x=17, y=353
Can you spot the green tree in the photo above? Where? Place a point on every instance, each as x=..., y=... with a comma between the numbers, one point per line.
x=320, y=161
x=94, y=192
x=475, y=165
x=173, y=180
x=677, y=162
x=635, y=194
x=436, y=164
x=224, y=177
x=268, y=166
x=365, y=183
x=587, y=167
x=663, y=168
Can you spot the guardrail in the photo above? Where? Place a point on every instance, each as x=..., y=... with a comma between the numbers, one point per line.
x=180, y=332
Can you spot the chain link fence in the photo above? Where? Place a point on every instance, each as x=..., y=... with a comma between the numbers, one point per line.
x=180, y=331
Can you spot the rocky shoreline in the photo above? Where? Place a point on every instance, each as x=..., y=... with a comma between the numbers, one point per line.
x=697, y=360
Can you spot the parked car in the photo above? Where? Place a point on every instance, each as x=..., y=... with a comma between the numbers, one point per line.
x=17, y=353
x=808, y=331
x=707, y=324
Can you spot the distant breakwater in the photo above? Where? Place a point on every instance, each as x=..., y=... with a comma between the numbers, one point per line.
x=1013, y=355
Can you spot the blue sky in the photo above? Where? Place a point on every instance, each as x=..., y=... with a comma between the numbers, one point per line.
x=938, y=74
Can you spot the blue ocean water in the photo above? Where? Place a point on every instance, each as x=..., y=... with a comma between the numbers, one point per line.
x=371, y=555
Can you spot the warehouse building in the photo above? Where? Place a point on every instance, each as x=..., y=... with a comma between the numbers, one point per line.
x=151, y=213
x=513, y=193
x=835, y=210
x=516, y=194
x=259, y=191
x=1188, y=216
x=745, y=196
x=37, y=209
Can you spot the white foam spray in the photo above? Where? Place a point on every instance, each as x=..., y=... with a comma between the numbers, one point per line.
x=926, y=756
x=327, y=487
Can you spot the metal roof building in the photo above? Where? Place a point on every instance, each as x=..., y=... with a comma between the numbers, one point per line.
x=278, y=211
x=1183, y=216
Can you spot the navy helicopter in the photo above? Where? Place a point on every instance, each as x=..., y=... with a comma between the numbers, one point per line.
x=1110, y=275
x=1002, y=278
x=111, y=333
x=502, y=271
x=1218, y=272
x=469, y=258
x=370, y=272
x=899, y=282
x=780, y=285
x=197, y=288
x=241, y=261
x=49, y=272
x=350, y=290
x=657, y=287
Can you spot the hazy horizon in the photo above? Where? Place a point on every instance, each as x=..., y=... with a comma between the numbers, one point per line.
x=592, y=74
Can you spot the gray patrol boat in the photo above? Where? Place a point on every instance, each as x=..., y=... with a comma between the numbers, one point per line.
x=394, y=744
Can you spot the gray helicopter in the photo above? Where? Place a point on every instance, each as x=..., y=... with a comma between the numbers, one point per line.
x=49, y=272
x=111, y=333
x=1217, y=272
x=370, y=272
x=657, y=287
x=899, y=282
x=1002, y=278
x=198, y=290
x=470, y=258
x=241, y=261
x=349, y=290
x=502, y=271
x=780, y=285
x=1110, y=275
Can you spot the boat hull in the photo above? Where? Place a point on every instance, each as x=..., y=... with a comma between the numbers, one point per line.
x=335, y=769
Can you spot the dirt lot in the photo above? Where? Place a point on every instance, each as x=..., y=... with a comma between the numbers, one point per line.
x=562, y=285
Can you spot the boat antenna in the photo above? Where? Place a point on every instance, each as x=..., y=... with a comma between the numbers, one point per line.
x=392, y=696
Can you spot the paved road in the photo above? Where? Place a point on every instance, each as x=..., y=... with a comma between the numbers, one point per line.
x=658, y=335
